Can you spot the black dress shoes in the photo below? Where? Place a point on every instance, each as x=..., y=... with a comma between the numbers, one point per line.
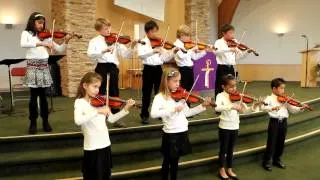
x=222, y=178
x=232, y=177
x=267, y=167
x=279, y=164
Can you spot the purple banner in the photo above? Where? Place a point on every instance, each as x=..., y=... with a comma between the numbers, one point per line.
x=206, y=69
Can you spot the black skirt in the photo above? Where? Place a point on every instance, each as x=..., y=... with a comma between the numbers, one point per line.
x=175, y=144
x=97, y=164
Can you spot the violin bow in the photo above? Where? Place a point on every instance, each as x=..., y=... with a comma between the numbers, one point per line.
x=243, y=89
x=107, y=90
x=52, y=31
x=118, y=36
x=195, y=82
x=165, y=37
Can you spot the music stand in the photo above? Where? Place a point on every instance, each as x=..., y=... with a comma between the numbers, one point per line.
x=9, y=62
x=53, y=59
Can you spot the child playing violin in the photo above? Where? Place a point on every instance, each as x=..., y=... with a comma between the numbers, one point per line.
x=38, y=76
x=175, y=140
x=226, y=56
x=97, y=161
x=107, y=57
x=277, y=129
x=185, y=59
x=152, y=59
x=229, y=124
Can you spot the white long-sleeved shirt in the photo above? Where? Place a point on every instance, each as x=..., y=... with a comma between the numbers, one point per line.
x=225, y=56
x=38, y=52
x=186, y=59
x=173, y=122
x=93, y=124
x=283, y=112
x=98, y=44
x=229, y=118
x=148, y=57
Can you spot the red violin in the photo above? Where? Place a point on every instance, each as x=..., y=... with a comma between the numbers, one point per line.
x=181, y=93
x=201, y=46
x=242, y=47
x=245, y=98
x=57, y=34
x=291, y=101
x=114, y=102
x=124, y=39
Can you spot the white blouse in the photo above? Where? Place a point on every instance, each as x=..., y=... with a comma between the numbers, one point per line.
x=148, y=57
x=225, y=56
x=283, y=112
x=98, y=44
x=186, y=59
x=93, y=124
x=229, y=118
x=173, y=122
x=38, y=52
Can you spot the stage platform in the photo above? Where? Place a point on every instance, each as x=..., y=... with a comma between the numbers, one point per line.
x=62, y=119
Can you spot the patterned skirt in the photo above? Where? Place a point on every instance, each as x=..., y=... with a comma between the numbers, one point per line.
x=38, y=73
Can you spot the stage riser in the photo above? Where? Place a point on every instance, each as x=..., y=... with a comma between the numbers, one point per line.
x=212, y=167
x=120, y=160
x=116, y=137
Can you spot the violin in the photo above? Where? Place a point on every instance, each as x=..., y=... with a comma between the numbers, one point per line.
x=114, y=102
x=291, y=101
x=242, y=47
x=124, y=39
x=157, y=42
x=57, y=34
x=234, y=97
x=201, y=46
x=181, y=93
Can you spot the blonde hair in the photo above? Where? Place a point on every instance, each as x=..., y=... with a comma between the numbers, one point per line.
x=88, y=78
x=100, y=22
x=183, y=30
x=168, y=73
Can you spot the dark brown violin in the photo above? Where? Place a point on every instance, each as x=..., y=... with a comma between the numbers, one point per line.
x=242, y=47
x=114, y=102
x=234, y=97
x=201, y=46
x=57, y=34
x=124, y=39
x=181, y=93
x=293, y=102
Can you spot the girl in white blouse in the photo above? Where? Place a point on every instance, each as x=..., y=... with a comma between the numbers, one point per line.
x=229, y=124
x=175, y=140
x=38, y=75
x=97, y=161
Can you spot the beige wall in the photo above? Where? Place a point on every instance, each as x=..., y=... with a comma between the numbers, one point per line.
x=266, y=72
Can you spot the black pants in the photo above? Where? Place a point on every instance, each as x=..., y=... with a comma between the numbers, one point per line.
x=227, y=139
x=277, y=131
x=169, y=164
x=109, y=68
x=33, y=104
x=151, y=78
x=97, y=164
x=187, y=78
x=222, y=70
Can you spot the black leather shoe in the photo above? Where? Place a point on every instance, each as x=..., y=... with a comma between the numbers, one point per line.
x=46, y=126
x=32, y=128
x=267, y=167
x=279, y=164
x=145, y=120
x=219, y=175
x=232, y=177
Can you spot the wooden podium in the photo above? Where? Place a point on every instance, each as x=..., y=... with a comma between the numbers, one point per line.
x=309, y=65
